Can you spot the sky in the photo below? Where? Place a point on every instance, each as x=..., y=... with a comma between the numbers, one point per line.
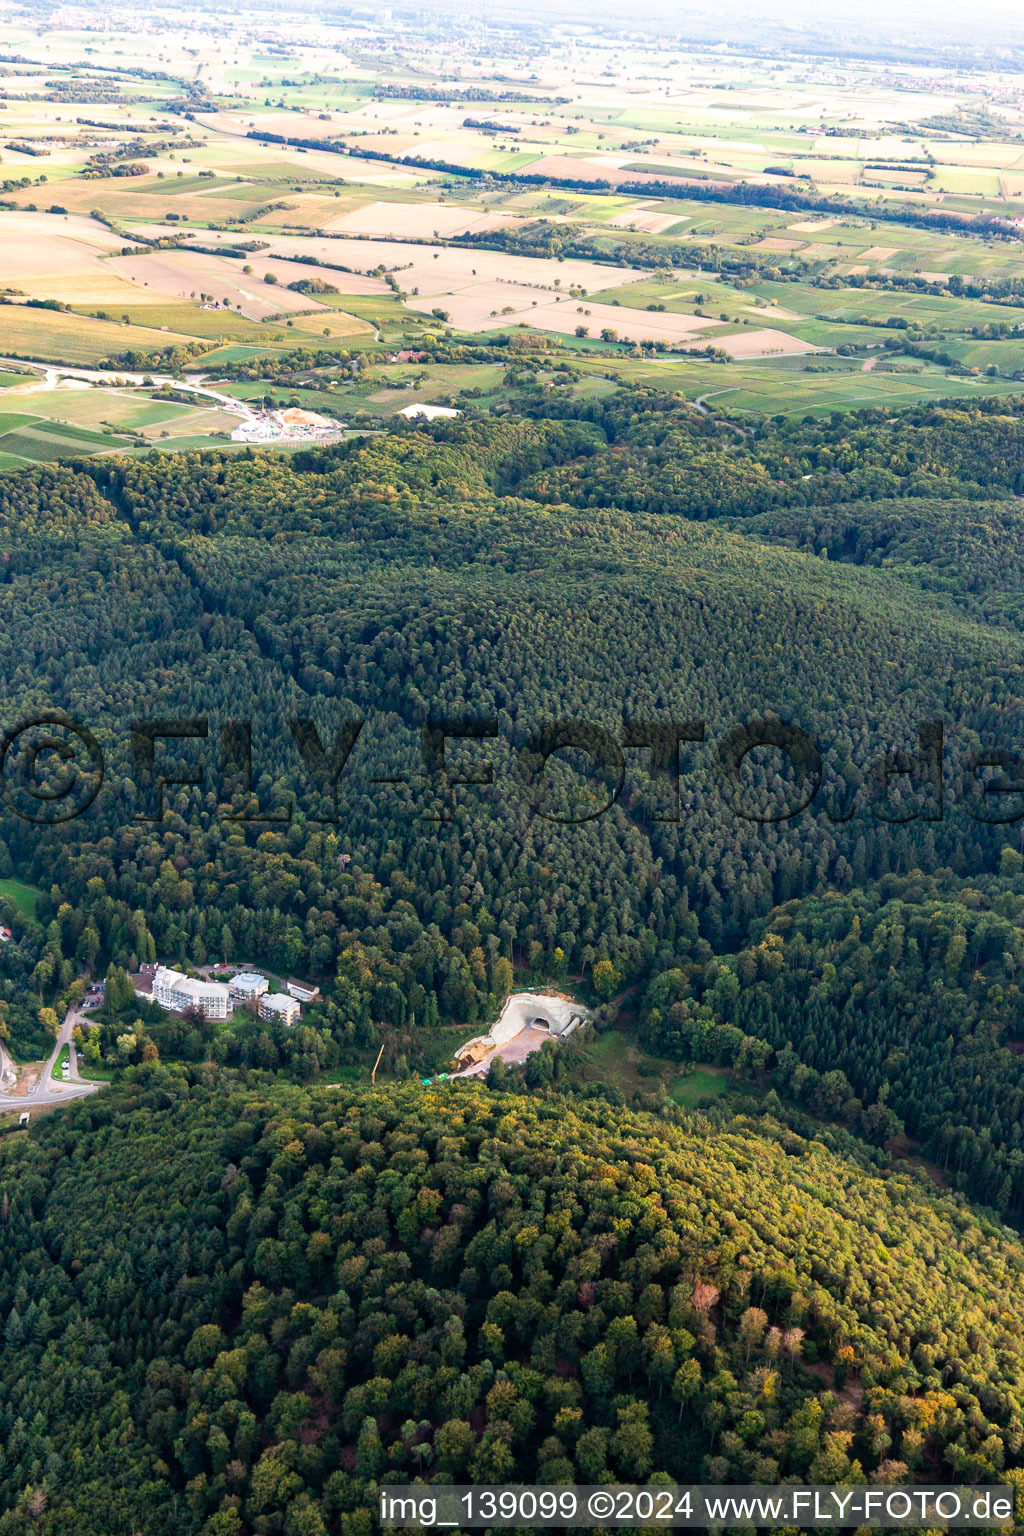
x=965, y=23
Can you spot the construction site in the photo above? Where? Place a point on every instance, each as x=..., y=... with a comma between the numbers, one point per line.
x=527, y=1021
x=291, y=425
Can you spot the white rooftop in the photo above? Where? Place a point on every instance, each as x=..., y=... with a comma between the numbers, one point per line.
x=428, y=412
x=187, y=985
x=279, y=1002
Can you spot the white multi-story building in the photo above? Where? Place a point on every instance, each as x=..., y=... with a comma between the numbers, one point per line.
x=173, y=990
x=247, y=985
x=279, y=1008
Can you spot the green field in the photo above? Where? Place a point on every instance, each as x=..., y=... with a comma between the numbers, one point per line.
x=47, y=441
x=236, y=353
x=850, y=304
x=697, y=1085
x=11, y=421
x=783, y=385
x=21, y=896
x=185, y=444
x=103, y=410
x=612, y=1057
x=67, y=432
x=99, y=420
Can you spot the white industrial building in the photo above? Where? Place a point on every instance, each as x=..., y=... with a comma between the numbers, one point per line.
x=279, y=1008
x=177, y=992
x=247, y=985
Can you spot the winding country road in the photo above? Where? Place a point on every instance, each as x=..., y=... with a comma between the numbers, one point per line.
x=49, y=375
x=49, y=1090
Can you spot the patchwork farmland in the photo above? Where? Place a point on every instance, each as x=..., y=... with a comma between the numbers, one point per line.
x=800, y=241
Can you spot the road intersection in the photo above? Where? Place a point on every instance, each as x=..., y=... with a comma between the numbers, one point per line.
x=48, y=1090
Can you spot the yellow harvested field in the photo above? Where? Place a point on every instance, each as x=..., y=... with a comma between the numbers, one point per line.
x=332, y=322
x=73, y=339
x=579, y=168
x=293, y=125
x=471, y=310
x=123, y=198
x=879, y=252
x=301, y=211
x=471, y=146
x=438, y=271
x=53, y=239
x=188, y=274
x=772, y=312
x=369, y=173
x=898, y=178
x=399, y=221
x=58, y=256
x=892, y=146
x=447, y=270
x=812, y=225
x=779, y=243
x=644, y=219
x=766, y=343
x=228, y=139
x=838, y=175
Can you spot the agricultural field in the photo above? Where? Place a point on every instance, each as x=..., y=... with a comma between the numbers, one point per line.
x=45, y=424
x=65, y=337
x=32, y=439
x=811, y=226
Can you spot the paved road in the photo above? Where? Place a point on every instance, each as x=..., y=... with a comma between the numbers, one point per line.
x=49, y=1090
x=48, y=377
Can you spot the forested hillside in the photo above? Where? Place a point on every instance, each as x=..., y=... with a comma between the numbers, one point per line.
x=505, y=569
x=894, y=1007
x=511, y=530
x=240, y=1310
x=235, y=1298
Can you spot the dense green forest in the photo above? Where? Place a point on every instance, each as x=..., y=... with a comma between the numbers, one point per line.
x=505, y=570
x=232, y=1291
x=894, y=1007
x=241, y=1310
